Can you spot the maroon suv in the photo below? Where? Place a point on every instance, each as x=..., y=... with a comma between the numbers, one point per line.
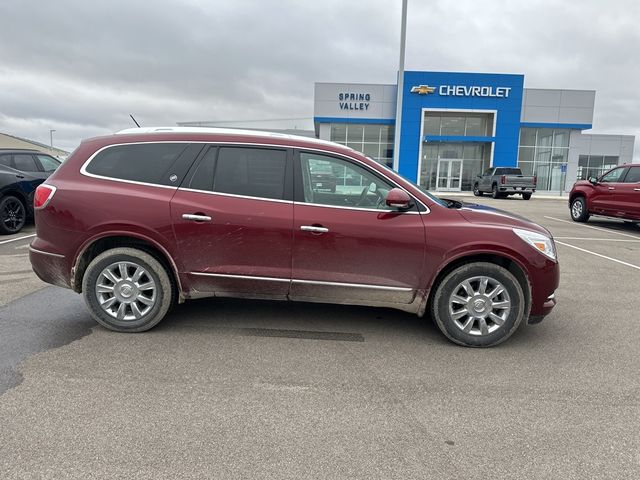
x=615, y=194
x=142, y=219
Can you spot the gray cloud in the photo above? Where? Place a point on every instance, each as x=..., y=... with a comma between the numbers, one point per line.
x=81, y=67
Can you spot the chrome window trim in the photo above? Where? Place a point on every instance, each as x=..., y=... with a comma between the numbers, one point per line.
x=35, y=250
x=305, y=282
x=83, y=169
x=324, y=205
x=234, y=195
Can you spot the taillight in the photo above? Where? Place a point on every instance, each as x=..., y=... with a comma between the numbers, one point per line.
x=535, y=180
x=503, y=179
x=44, y=194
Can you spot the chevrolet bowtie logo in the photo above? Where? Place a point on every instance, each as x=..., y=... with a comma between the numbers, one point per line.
x=423, y=89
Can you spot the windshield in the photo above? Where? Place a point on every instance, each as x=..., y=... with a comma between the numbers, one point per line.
x=439, y=201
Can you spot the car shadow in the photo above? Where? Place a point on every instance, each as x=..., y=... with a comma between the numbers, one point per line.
x=242, y=317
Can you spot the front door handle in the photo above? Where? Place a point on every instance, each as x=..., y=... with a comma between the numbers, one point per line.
x=636, y=189
x=313, y=229
x=611, y=188
x=196, y=217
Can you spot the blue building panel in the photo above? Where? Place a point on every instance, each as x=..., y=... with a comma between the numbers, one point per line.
x=499, y=93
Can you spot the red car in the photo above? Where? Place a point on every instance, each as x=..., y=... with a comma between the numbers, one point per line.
x=614, y=194
x=143, y=219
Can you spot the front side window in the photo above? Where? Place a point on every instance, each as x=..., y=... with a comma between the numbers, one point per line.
x=252, y=172
x=5, y=160
x=49, y=164
x=336, y=182
x=25, y=163
x=613, y=176
x=633, y=176
x=143, y=162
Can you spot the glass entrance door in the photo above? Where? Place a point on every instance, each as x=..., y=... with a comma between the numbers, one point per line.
x=449, y=175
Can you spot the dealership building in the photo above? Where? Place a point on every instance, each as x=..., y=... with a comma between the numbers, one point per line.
x=454, y=126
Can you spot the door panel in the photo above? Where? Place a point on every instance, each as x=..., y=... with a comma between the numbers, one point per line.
x=362, y=252
x=383, y=251
x=629, y=194
x=232, y=220
x=245, y=238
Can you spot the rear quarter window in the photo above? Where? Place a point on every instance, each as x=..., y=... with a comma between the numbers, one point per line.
x=147, y=162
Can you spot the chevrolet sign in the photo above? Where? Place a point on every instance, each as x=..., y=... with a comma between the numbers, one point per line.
x=463, y=91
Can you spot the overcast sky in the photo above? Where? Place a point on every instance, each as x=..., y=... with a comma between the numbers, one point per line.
x=80, y=67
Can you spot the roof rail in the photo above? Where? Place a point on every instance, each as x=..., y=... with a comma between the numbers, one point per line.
x=221, y=131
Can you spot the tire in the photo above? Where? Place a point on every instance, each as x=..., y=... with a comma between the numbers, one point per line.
x=494, y=191
x=13, y=215
x=476, y=190
x=526, y=196
x=152, y=303
x=475, y=327
x=578, y=210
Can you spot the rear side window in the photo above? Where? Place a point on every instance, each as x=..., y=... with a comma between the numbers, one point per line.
x=25, y=163
x=145, y=162
x=633, y=176
x=253, y=172
x=5, y=160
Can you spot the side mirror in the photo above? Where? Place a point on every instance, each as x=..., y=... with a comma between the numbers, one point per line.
x=593, y=180
x=397, y=198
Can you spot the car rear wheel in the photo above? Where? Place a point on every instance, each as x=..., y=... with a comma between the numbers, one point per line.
x=579, y=212
x=526, y=196
x=478, y=305
x=494, y=192
x=13, y=215
x=127, y=290
x=476, y=190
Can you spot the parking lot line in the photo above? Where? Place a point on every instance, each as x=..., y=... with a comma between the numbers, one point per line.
x=16, y=239
x=600, y=255
x=596, y=239
x=594, y=228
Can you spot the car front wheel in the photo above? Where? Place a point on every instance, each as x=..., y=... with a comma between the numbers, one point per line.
x=579, y=212
x=127, y=290
x=476, y=190
x=478, y=305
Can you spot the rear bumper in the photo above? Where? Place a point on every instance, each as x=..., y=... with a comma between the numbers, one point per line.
x=516, y=189
x=50, y=267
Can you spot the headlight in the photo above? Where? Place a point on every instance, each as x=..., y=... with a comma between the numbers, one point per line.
x=540, y=242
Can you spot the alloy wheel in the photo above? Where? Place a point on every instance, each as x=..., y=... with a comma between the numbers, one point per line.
x=126, y=291
x=479, y=305
x=13, y=215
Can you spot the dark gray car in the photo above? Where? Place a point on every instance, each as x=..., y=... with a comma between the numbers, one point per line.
x=504, y=181
x=21, y=171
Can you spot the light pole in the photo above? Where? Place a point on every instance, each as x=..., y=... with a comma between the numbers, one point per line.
x=51, y=137
x=403, y=35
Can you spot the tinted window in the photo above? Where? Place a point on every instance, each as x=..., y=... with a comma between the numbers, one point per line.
x=633, y=176
x=5, y=160
x=25, y=163
x=254, y=172
x=202, y=178
x=508, y=171
x=147, y=162
x=613, y=176
x=49, y=164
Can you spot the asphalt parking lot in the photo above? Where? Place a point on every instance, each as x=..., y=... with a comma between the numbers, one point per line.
x=239, y=389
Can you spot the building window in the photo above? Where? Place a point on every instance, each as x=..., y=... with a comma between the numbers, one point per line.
x=543, y=152
x=375, y=141
x=594, y=165
x=459, y=124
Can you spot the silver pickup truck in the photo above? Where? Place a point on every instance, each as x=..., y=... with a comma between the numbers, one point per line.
x=504, y=181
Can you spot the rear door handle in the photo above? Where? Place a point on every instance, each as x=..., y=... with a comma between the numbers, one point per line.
x=313, y=229
x=636, y=189
x=196, y=217
x=611, y=188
